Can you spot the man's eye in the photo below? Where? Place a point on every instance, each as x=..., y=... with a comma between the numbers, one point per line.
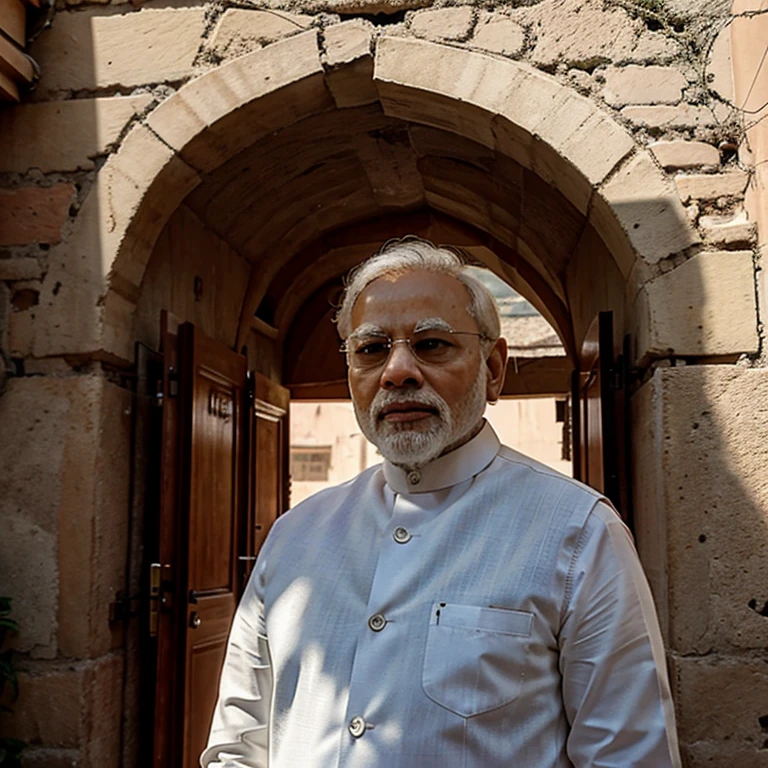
x=372, y=348
x=431, y=344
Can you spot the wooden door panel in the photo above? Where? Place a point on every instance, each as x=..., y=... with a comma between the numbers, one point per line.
x=213, y=396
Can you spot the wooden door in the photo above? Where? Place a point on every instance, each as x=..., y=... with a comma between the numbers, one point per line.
x=269, y=449
x=212, y=501
x=223, y=482
x=203, y=504
x=600, y=423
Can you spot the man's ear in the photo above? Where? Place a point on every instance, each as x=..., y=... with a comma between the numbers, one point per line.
x=496, y=363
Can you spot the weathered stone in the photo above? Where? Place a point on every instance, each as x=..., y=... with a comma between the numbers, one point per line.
x=221, y=113
x=349, y=62
x=354, y=6
x=680, y=116
x=21, y=333
x=586, y=33
x=34, y=214
x=32, y=133
x=499, y=34
x=706, y=306
x=633, y=84
x=240, y=31
x=73, y=706
x=738, y=686
x=728, y=231
x=20, y=268
x=682, y=155
x=719, y=65
x=709, y=432
x=443, y=23
x=87, y=50
x=647, y=209
x=710, y=186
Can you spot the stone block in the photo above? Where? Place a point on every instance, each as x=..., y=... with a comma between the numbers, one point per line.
x=349, y=63
x=710, y=186
x=711, y=427
x=20, y=268
x=214, y=117
x=499, y=34
x=21, y=333
x=586, y=33
x=706, y=306
x=721, y=704
x=729, y=231
x=32, y=133
x=647, y=209
x=345, y=7
x=684, y=155
x=240, y=31
x=34, y=214
x=662, y=118
x=633, y=84
x=443, y=23
x=70, y=708
x=86, y=50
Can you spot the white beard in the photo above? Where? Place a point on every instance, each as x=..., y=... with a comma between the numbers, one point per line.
x=410, y=448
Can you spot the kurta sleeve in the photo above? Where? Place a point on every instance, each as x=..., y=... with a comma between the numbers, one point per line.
x=240, y=729
x=615, y=687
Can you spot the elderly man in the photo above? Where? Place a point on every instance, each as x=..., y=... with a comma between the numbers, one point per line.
x=460, y=605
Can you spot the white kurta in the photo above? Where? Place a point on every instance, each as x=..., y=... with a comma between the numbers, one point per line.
x=487, y=611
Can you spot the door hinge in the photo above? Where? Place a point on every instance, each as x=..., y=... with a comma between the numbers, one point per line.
x=124, y=607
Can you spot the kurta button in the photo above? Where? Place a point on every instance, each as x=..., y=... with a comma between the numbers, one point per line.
x=377, y=622
x=357, y=726
x=401, y=535
x=414, y=477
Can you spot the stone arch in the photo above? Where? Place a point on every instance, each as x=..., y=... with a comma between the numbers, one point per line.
x=631, y=214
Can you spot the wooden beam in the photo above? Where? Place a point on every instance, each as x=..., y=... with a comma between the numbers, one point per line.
x=322, y=390
x=538, y=377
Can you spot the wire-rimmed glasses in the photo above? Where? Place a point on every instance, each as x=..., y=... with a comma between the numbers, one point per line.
x=430, y=347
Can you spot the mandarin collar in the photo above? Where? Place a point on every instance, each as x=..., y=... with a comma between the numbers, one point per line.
x=451, y=469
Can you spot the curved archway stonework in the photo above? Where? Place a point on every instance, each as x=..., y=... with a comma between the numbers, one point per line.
x=630, y=210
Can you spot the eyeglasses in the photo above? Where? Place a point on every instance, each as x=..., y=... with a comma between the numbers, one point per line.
x=431, y=347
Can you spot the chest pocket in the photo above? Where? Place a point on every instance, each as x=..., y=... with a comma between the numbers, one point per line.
x=475, y=659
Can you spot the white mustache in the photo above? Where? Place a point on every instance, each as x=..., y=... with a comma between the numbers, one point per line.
x=384, y=398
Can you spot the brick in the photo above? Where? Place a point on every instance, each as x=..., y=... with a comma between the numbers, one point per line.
x=349, y=63
x=663, y=118
x=20, y=268
x=34, y=214
x=710, y=186
x=648, y=210
x=32, y=132
x=87, y=50
x=634, y=84
x=240, y=31
x=443, y=23
x=684, y=155
x=584, y=33
x=499, y=34
x=706, y=306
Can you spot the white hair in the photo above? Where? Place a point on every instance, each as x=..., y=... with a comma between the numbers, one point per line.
x=409, y=254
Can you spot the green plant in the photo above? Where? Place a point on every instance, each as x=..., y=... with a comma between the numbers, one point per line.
x=10, y=749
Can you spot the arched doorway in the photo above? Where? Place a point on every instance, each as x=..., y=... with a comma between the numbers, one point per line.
x=243, y=199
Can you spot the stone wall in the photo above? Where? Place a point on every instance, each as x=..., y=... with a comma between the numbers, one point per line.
x=660, y=70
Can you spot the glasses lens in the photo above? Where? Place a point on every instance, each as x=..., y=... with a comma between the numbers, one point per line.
x=369, y=352
x=433, y=347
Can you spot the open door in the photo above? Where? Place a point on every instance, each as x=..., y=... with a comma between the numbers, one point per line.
x=600, y=423
x=223, y=482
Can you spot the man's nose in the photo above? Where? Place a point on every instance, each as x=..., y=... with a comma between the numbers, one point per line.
x=401, y=369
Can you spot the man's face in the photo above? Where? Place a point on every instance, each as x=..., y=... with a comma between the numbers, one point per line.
x=411, y=410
